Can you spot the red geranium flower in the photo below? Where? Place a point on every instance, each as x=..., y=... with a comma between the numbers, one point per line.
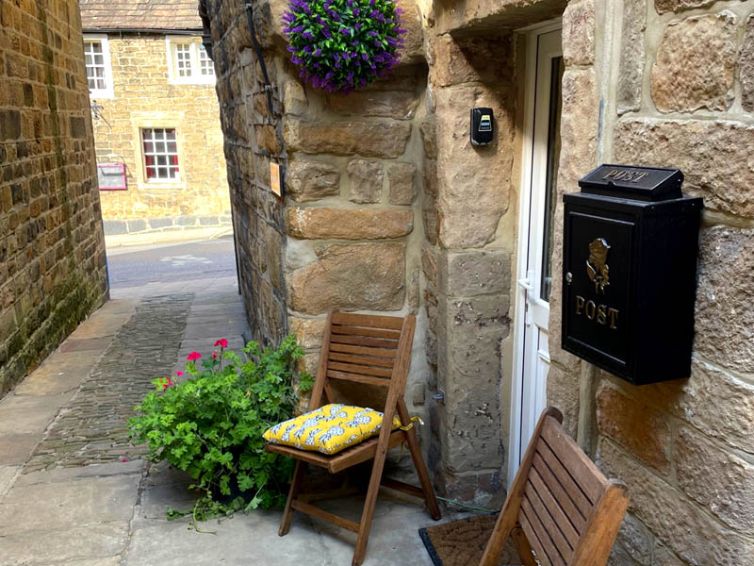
x=179, y=373
x=193, y=356
x=222, y=342
x=214, y=355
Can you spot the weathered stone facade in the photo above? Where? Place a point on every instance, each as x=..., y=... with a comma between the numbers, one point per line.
x=665, y=83
x=52, y=254
x=147, y=94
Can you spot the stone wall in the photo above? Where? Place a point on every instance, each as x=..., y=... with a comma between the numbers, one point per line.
x=675, y=90
x=143, y=98
x=669, y=83
x=52, y=255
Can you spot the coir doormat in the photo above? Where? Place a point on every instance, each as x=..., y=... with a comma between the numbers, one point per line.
x=462, y=543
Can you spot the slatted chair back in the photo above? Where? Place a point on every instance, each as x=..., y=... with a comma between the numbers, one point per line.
x=364, y=359
x=568, y=512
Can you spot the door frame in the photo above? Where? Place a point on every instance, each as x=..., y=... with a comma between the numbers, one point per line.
x=532, y=34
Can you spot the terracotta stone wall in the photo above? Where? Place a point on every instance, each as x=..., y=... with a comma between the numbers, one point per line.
x=673, y=78
x=144, y=98
x=52, y=255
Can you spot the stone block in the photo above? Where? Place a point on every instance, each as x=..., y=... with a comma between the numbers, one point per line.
x=294, y=98
x=663, y=6
x=398, y=104
x=640, y=429
x=114, y=227
x=578, y=127
x=724, y=321
x=355, y=276
x=311, y=180
x=636, y=540
x=717, y=479
x=632, y=55
x=77, y=127
x=713, y=156
x=401, y=181
x=671, y=516
x=696, y=64
x=473, y=183
x=348, y=223
x=137, y=225
x=10, y=124
x=308, y=331
x=746, y=66
x=471, y=59
x=563, y=393
x=366, y=178
x=474, y=273
x=578, y=33
x=378, y=138
x=413, y=40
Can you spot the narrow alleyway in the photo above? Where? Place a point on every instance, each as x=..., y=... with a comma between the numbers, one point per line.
x=72, y=489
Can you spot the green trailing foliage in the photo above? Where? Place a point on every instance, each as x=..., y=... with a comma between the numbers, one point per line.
x=210, y=425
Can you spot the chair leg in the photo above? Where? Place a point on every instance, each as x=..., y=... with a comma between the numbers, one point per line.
x=423, y=473
x=285, y=522
x=369, y=504
x=522, y=547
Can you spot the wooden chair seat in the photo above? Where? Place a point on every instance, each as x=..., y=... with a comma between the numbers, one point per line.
x=365, y=362
x=560, y=509
x=342, y=460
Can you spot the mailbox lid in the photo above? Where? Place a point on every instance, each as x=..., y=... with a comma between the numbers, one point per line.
x=636, y=183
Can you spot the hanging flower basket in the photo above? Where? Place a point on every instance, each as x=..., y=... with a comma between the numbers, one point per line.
x=342, y=45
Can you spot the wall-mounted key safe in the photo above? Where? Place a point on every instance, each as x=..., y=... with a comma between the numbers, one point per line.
x=482, y=126
x=629, y=272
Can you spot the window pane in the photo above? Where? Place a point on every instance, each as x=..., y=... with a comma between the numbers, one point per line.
x=160, y=156
x=553, y=157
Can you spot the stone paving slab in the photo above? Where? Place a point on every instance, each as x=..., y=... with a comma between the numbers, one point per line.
x=97, y=544
x=7, y=477
x=25, y=414
x=15, y=449
x=54, y=506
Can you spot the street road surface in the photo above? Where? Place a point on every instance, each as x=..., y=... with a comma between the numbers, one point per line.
x=186, y=261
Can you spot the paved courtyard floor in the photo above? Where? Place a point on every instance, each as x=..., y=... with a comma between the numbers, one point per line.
x=74, y=491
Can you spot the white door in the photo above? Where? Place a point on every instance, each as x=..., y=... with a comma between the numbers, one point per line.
x=541, y=151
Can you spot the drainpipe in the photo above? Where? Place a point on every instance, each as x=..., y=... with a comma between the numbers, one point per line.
x=260, y=55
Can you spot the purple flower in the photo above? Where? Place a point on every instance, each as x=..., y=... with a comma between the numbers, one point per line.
x=307, y=36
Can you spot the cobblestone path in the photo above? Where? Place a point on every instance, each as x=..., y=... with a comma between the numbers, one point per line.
x=93, y=427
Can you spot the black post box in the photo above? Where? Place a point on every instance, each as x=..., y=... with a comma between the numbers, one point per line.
x=629, y=272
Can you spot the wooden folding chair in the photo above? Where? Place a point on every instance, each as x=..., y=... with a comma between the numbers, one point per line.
x=560, y=510
x=365, y=361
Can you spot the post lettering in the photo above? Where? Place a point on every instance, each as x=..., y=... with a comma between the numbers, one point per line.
x=591, y=306
x=602, y=314
x=613, y=314
x=579, y=304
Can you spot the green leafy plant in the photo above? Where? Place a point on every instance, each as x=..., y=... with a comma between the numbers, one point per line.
x=210, y=424
x=341, y=45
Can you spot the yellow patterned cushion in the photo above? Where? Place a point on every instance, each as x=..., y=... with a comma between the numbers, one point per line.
x=329, y=429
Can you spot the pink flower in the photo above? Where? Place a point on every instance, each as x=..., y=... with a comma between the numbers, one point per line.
x=193, y=356
x=222, y=342
x=214, y=355
x=179, y=373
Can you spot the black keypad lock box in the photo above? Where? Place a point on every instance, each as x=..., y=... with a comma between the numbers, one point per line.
x=629, y=272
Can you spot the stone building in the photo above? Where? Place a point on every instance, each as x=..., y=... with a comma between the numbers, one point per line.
x=52, y=251
x=156, y=126
x=388, y=207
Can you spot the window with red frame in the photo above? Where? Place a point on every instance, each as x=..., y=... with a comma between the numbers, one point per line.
x=160, y=154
